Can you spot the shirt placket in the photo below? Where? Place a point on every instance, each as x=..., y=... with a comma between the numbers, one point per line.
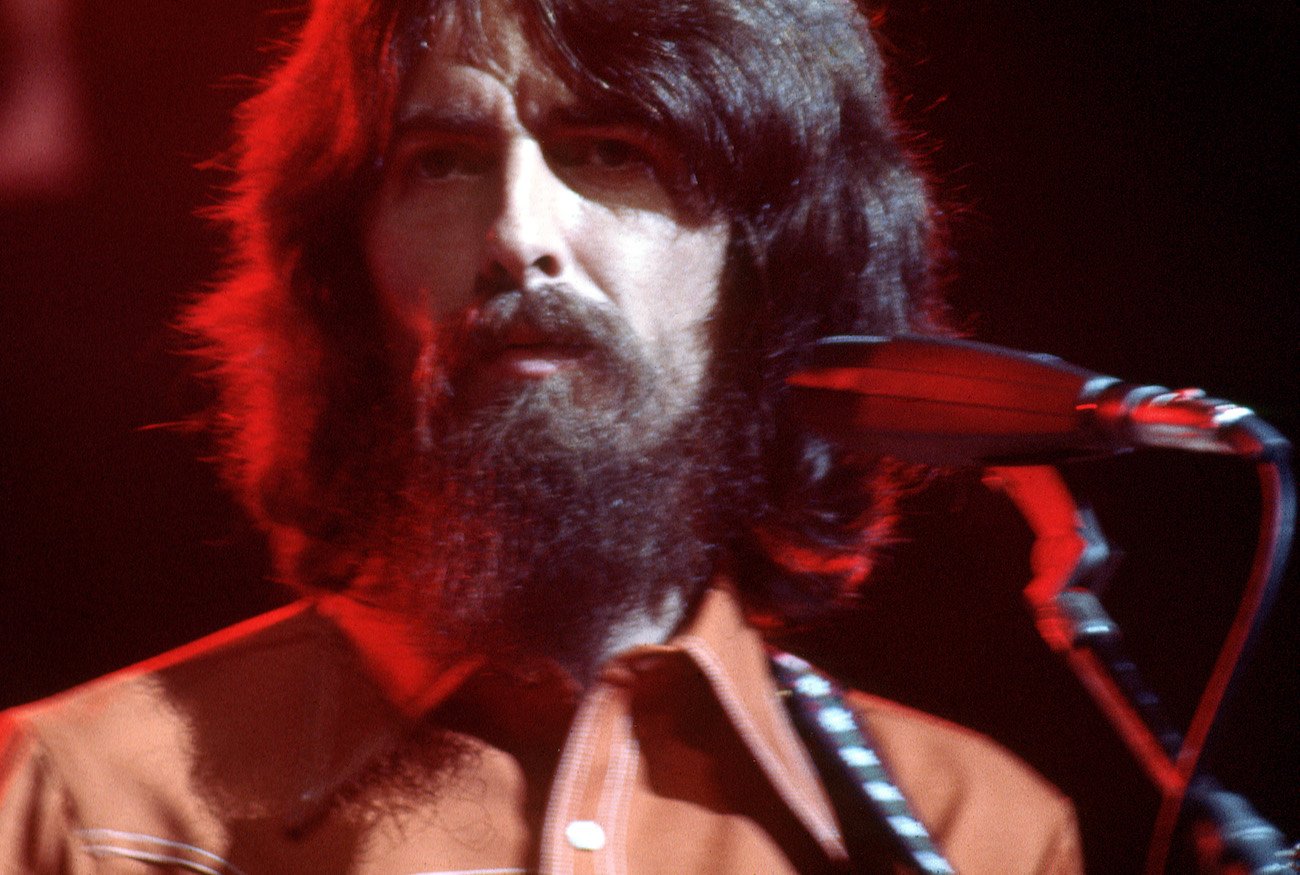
x=585, y=829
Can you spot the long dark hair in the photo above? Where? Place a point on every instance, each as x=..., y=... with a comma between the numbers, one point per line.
x=780, y=110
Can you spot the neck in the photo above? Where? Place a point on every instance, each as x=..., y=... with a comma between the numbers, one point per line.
x=637, y=628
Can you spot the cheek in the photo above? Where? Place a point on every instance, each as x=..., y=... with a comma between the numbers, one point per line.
x=689, y=296
x=664, y=278
x=659, y=273
x=695, y=270
x=422, y=271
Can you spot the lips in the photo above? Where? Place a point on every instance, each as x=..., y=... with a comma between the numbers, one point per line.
x=535, y=361
x=524, y=351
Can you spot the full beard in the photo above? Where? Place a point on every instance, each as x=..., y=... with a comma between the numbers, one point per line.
x=557, y=515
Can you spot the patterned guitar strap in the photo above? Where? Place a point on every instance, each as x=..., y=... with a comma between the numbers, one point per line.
x=866, y=799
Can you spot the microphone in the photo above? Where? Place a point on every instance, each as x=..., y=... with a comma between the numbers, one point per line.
x=943, y=401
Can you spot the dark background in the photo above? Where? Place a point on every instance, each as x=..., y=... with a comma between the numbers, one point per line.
x=1120, y=178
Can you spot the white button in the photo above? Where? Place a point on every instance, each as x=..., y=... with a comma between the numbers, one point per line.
x=585, y=835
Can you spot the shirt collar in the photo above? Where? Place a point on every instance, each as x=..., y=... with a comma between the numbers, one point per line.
x=715, y=636
x=727, y=650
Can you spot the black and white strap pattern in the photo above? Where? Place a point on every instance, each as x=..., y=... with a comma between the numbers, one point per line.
x=820, y=702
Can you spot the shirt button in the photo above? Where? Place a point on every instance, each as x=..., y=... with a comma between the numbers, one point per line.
x=585, y=835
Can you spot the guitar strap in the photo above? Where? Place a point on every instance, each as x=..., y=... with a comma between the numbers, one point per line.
x=873, y=813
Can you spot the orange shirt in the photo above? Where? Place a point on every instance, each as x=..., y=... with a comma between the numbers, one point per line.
x=307, y=740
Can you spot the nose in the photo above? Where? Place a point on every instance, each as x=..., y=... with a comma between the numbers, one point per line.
x=527, y=236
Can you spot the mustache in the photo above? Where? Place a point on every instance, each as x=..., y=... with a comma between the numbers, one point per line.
x=553, y=314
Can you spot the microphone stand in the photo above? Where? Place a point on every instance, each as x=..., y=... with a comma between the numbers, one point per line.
x=1070, y=559
x=944, y=401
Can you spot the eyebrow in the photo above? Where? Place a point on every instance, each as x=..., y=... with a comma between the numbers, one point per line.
x=469, y=123
x=446, y=121
x=580, y=116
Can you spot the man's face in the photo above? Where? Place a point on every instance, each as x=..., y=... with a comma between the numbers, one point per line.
x=500, y=190
x=551, y=302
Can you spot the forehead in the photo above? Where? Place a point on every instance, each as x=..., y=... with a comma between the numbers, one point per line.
x=483, y=34
x=466, y=43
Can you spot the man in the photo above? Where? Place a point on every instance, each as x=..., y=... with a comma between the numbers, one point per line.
x=515, y=287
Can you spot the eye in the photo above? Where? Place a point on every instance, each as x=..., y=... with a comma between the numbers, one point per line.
x=435, y=163
x=440, y=162
x=615, y=153
x=599, y=153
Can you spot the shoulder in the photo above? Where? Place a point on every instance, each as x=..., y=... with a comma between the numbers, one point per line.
x=989, y=810
x=136, y=747
x=141, y=702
